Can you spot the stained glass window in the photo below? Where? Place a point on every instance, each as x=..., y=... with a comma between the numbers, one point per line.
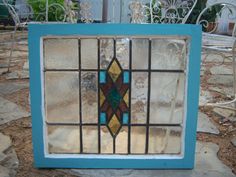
x=115, y=95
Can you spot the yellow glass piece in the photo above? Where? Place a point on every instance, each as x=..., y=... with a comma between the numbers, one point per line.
x=114, y=70
x=102, y=98
x=126, y=98
x=114, y=124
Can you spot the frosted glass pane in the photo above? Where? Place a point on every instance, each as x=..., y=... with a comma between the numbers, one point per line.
x=62, y=97
x=139, y=97
x=165, y=140
x=140, y=53
x=63, y=139
x=61, y=54
x=106, y=141
x=90, y=139
x=167, y=97
x=89, y=53
x=122, y=141
x=89, y=97
x=138, y=139
x=168, y=54
x=106, y=52
x=122, y=52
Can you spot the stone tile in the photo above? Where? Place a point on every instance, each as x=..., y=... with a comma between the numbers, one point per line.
x=233, y=141
x=205, y=125
x=10, y=111
x=226, y=91
x=2, y=156
x=10, y=87
x=221, y=70
x=207, y=164
x=4, y=172
x=26, y=65
x=11, y=162
x=223, y=112
x=215, y=58
x=3, y=65
x=226, y=80
x=5, y=142
x=23, y=74
x=204, y=97
x=13, y=75
x=8, y=158
x=3, y=71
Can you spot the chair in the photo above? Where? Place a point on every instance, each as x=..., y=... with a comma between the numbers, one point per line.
x=220, y=18
x=161, y=11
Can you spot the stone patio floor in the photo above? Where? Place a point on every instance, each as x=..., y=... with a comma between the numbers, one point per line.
x=216, y=140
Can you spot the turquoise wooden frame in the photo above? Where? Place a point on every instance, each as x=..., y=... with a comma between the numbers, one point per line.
x=42, y=160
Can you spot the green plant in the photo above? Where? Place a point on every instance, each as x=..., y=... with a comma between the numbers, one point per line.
x=210, y=15
x=56, y=10
x=156, y=11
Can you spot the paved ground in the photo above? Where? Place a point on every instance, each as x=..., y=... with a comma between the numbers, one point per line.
x=216, y=146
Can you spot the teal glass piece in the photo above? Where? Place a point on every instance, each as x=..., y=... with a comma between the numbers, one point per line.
x=126, y=77
x=102, y=75
x=114, y=98
x=102, y=118
x=125, y=118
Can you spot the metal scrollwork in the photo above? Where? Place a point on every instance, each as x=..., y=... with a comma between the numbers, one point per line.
x=161, y=11
x=85, y=12
x=137, y=11
x=210, y=16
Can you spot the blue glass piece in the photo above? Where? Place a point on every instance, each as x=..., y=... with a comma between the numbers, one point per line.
x=126, y=77
x=125, y=118
x=103, y=118
x=102, y=77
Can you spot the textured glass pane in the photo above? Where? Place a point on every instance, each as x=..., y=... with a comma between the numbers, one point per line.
x=90, y=139
x=89, y=97
x=106, y=141
x=122, y=141
x=167, y=97
x=63, y=139
x=138, y=139
x=139, y=97
x=165, y=140
x=106, y=52
x=168, y=54
x=122, y=52
x=62, y=96
x=61, y=53
x=140, y=53
x=89, y=53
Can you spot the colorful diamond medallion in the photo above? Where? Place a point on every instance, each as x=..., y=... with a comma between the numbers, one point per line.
x=114, y=96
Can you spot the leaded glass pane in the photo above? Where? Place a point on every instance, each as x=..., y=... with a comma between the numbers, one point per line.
x=62, y=97
x=169, y=54
x=61, y=53
x=122, y=52
x=106, y=52
x=89, y=54
x=89, y=97
x=140, y=53
x=167, y=98
x=122, y=141
x=138, y=140
x=165, y=140
x=63, y=139
x=90, y=139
